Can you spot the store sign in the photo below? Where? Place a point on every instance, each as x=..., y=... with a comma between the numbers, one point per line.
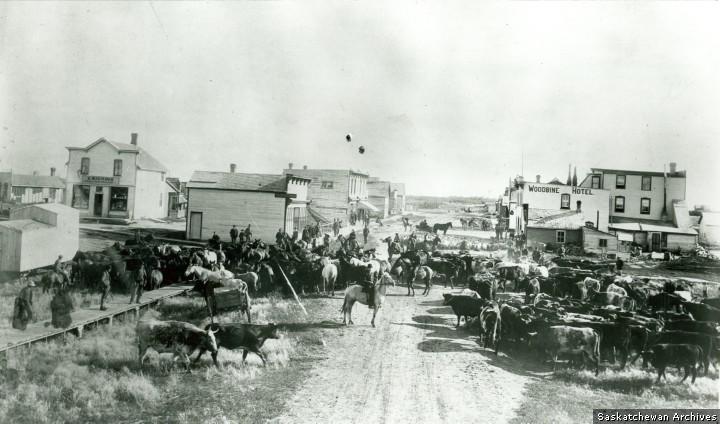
x=556, y=190
x=95, y=179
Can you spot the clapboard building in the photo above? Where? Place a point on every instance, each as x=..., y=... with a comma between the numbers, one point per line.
x=25, y=189
x=379, y=195
x=268, y=202
x=107, y=179
x=336, y=193
x=646, y=207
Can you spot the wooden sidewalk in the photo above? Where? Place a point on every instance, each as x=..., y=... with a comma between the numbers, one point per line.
x=11, y=339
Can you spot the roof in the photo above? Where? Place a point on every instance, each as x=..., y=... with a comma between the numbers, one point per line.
x=22, y=180
x=317, y=216
x=555, y=181
x=638, y=226
x=312, y=171
x=273, y=183
x=24, y=225
x=678, y=174
x=548, y=218
x=145, y=160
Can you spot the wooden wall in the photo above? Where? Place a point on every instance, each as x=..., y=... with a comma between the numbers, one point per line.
x=222, y=209
x=591, y=241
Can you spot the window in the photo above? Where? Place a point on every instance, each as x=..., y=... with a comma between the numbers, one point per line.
x=619, y=204
x=18, y=191
x=560, y=236
x=619, y=181
x=603, y=242
x=81, y=196
x=118, y=199
x=646, y=183
x=595, y=181
x=326, y=184
x=117, y=167
x=645, y=206
x=565, y=201
x=37, y=190
x=85, y=166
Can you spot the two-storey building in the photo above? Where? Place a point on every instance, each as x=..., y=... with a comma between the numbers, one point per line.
x=647, y=208
x=116, y=180
x=336, y=193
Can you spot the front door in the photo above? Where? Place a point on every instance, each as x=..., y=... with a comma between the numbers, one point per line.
x=196, y=225
x=655, y=242
x=97, y=204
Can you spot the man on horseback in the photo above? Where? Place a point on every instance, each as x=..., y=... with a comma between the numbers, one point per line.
x=60, y=269
x=369, y=285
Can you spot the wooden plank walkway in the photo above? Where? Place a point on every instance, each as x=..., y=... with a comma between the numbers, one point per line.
x=11, y=338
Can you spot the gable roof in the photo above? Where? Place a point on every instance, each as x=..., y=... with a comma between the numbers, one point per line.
x=145, y=160
x=23, y=180
x=273, y=183
x=551, y=218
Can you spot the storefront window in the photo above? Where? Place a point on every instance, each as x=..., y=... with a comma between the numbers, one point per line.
x=81, y=196
x=118, y=199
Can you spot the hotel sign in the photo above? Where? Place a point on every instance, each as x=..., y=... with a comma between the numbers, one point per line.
x=556, y=190
x=95, y=179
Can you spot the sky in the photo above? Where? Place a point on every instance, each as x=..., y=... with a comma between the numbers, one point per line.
x=449, y=98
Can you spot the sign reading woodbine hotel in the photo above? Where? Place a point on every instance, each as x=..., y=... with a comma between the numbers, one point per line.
x=556, y=189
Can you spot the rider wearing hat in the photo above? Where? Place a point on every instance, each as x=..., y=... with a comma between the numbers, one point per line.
x=369, y=285
x=60, y=269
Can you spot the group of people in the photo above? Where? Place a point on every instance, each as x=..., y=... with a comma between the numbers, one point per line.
x=237, y=236
x=355, y=217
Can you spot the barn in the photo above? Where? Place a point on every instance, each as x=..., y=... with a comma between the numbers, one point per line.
x=35, y=235
x=267, y=202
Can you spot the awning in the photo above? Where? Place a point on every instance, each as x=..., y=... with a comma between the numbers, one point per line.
x=317, y=216
x=362, y=204
x=623, y=236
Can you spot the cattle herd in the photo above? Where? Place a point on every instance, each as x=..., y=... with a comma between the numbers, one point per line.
x=589, y=315
x=559, y=308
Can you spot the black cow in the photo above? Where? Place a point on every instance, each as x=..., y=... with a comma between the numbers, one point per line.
x=513, y=324
x=466, y=306
x=703, y=327
x=249, y=337
x=446, y=267
x=485, y=286
x=639, y=337
x=180, y=338
x=705, y=342
x=684, y=356
x=664, y=301
x=614, y=338
x=702, y=312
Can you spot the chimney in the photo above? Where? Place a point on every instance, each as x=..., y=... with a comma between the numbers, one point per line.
x=52, y=171
x=537, y=178
x=232, y=168
x=290, y=165
x=133, y=139
x=673, y=167
x=304, y=166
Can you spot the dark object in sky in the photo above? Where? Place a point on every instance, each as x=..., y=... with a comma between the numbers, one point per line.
x=348, y=137
x=361, y=149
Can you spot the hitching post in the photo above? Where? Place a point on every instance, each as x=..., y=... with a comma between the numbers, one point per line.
x=291, y=288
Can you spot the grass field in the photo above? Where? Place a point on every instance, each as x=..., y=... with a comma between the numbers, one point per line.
x=97, y=378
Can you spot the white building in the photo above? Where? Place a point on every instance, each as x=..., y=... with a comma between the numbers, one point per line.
x=26, y=189
x=710, y=228
x=116, y=180
x=36, y=234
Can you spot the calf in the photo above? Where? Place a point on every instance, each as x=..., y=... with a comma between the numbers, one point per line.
x=465, y=306
x=249, y=337
x=180, y=338
x=489, y=324
x=569, y=340
x=684, y=356
x=703, y=341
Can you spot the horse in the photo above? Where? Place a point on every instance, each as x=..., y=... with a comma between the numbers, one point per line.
x=355, y=293
x=464, y=223
x=51, y=281
x=155, y=279
x=204, y=274
x=251, y=278
x=329, y=276
x=393, y=247
x=444, y=227
x=422, y=273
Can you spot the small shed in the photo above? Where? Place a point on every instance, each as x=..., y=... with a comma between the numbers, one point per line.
x=35, y=235
x=596, y=241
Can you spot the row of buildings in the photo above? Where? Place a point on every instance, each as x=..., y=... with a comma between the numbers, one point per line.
x=286, y=202
x=610, y=210
x=122, y=181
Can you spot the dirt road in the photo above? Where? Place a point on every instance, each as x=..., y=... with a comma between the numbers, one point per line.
x=414, y=367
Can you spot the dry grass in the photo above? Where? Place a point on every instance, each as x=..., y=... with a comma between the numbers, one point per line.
x=96, y=378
